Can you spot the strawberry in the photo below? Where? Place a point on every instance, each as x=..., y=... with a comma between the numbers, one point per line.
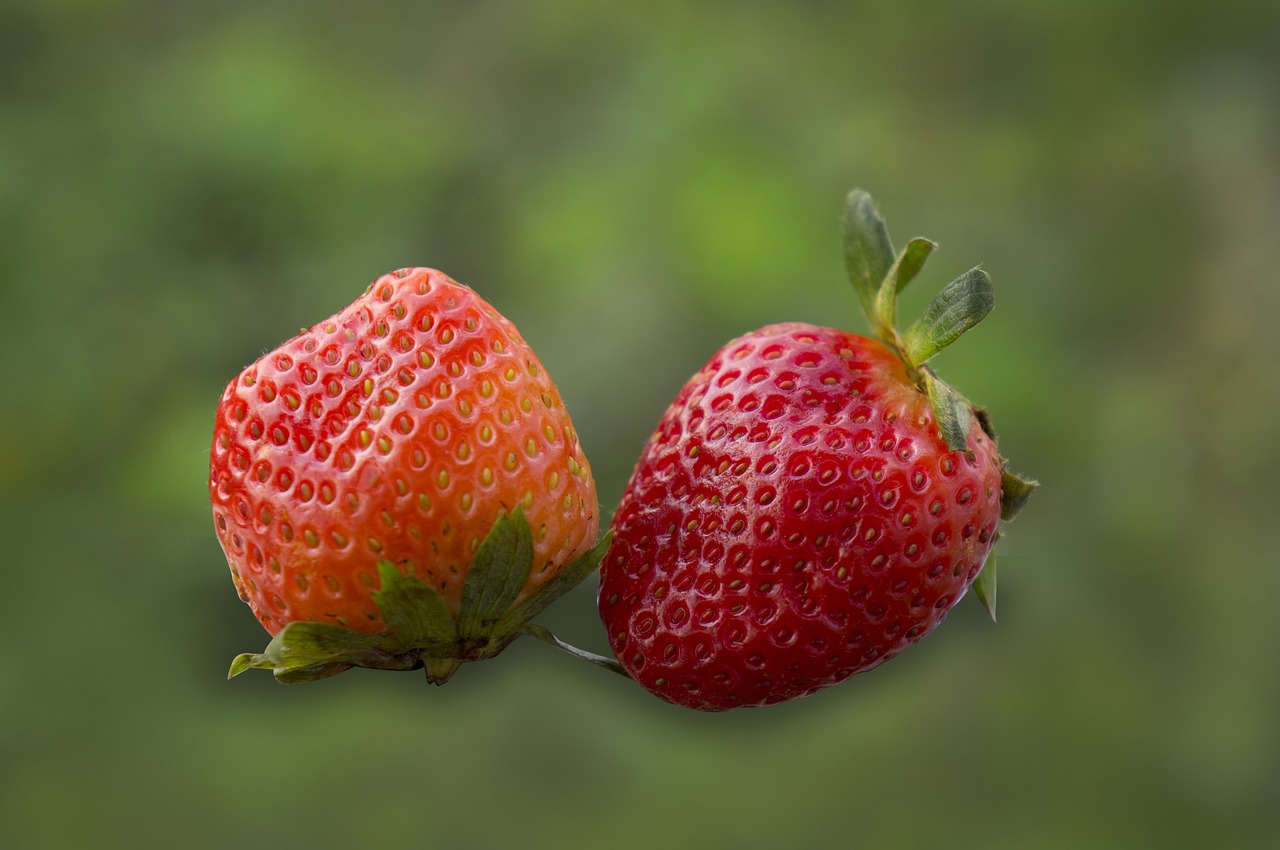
x=812, y=503
x=399, y=486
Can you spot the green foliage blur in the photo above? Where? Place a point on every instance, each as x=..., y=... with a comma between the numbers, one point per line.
x=184, y=185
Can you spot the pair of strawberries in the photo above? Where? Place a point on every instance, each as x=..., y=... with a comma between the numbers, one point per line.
x=400, y=486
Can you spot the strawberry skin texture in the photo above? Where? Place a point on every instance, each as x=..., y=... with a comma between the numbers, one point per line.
x=398, y=429
x=794, y=519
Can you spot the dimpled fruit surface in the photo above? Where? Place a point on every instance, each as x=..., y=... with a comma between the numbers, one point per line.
x=795, y=518
x=398, y=429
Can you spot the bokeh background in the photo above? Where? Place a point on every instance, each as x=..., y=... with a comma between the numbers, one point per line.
x=183, y=185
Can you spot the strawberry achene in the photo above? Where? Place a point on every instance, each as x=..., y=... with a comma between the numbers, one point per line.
x=795, y=518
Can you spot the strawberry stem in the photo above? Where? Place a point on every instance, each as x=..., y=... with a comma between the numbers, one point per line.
x=544, y=634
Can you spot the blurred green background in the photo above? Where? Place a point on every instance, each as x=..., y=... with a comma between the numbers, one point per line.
x=184, y=185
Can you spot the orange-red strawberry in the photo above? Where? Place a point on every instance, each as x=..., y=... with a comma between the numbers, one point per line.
x=360, y=469
x=812, y=503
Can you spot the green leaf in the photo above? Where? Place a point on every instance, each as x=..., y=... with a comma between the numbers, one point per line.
x=984, y=586
x=560, y=584
x=908, y=264
x=868, y=253
x=951, y=410
x=1014, y=492
x=414, y=611
x=498, y=573
x=960, y=305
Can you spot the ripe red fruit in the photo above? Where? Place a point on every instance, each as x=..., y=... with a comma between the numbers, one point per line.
x=798, y=515
x=358, y=472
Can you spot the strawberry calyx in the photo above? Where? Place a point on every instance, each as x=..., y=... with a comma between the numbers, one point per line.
x=879, y=275
x=421, y=630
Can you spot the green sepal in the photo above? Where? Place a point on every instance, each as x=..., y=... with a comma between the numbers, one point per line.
x=879, y=278
x=305, y=651
x=286, y=675
x=498, y=572
x=307, y=644
x=984, y=421
x=415, y=612
x=313, y=673
x=441, y=670
x=422, y=631
x=561, y=583
x=952, y=410
x=908, y=264
x=242, y=662
x=910, y=261
x=984, y=587
x=868, y=253
x=960, y=305
x=1014, y=492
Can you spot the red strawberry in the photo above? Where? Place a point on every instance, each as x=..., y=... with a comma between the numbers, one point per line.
x=811, y=504
x=372, y=477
